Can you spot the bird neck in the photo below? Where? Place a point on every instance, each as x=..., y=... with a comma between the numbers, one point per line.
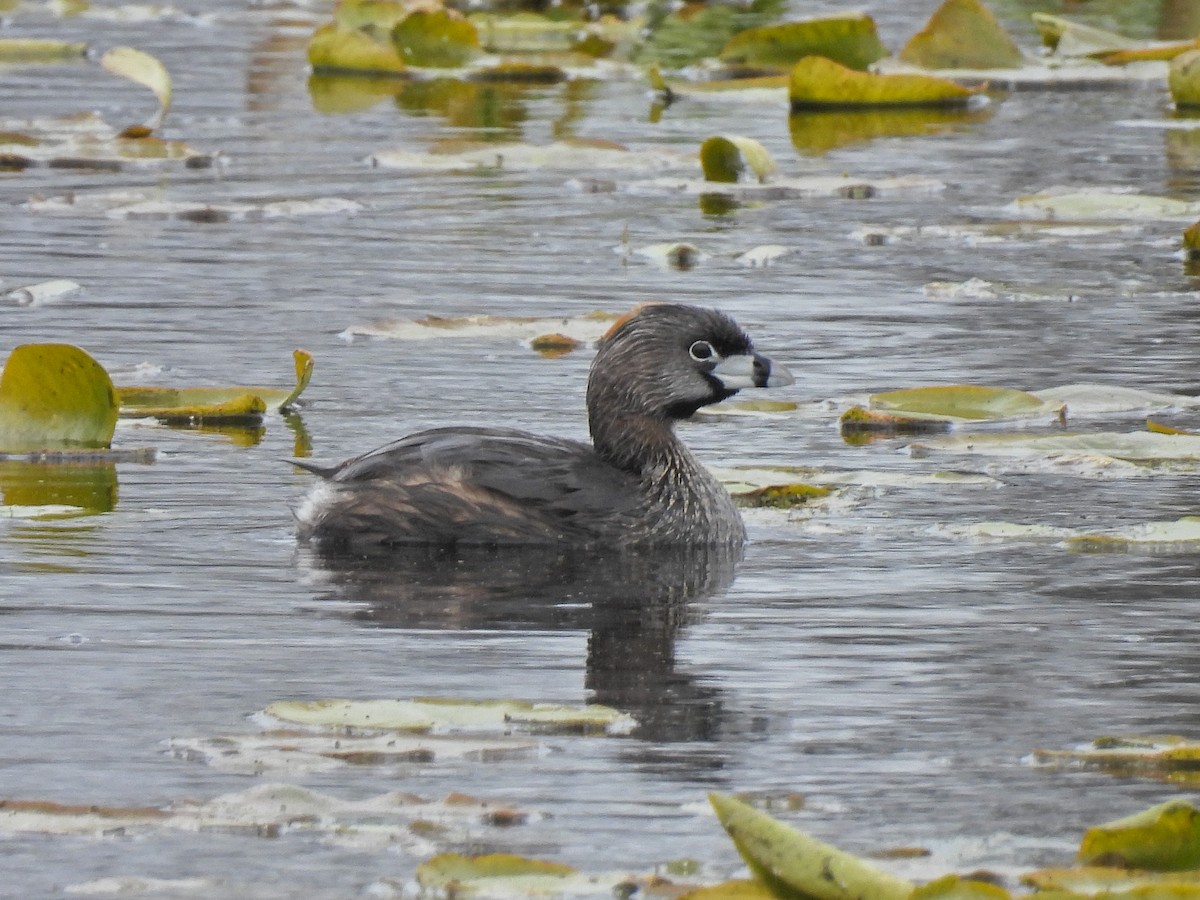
x=639, y=443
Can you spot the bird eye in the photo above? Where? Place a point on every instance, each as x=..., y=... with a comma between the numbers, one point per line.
x=701, y=351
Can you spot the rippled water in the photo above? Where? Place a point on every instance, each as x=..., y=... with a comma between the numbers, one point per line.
x=894, y=676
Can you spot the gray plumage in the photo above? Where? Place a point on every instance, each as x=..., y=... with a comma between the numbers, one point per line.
x=637, y=484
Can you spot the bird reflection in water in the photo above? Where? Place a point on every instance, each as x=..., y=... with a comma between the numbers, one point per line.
x=633, y=605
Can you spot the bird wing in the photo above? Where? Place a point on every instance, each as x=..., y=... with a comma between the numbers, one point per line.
x=479, y=486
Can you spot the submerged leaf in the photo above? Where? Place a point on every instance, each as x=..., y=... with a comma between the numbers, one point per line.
x=727, y=158
x=1165, y=837
x=819, y=83
x=962, y=34
x=55, y=395
x=792, y=863
x=435, y=38
x=850, y=40
x=147, y=71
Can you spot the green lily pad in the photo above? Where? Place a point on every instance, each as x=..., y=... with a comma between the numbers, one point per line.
x=1165, y=837
x=727, y=158
x=378, y=15
x=1162, y=757
x=741, y=889
x=953, y=887
x=962, y=34
x=1114, y=883
x=792, y=863
x=146, y=70
x=850, y=40
x=961, y=401
x=1067, y=38
x=435, y=39
x=1183, y=78
x=782, y=496
x=1077, y=206
x=35, y=50
x=55, y=396
x=435, y=714
x=819, y=83
x=334, y=49
x=698, y=31
x=215, y=404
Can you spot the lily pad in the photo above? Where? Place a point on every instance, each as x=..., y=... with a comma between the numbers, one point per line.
x=586, y=328
x=1068, y=38
x=962, y=34
x=1184, y=79
x=1140, y=447
x=1165, y=837
x=1076, y=206
x=213, y=404
x=55, y=396
x=963, y=402
x=782, y=496
x=454, y=872
x=146, y=70
x=1112, y=882
x=792, y=863
x=819, y=83
x=728, y=158
x=442, y=715
x=954, y=887
x=690, y=33
x=36, y=50
x=435, y=38
x=335, y=49
x=1162, y=757
x=741, y=889
x=850, y=40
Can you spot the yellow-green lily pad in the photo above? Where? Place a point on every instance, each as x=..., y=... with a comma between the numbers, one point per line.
x=215, y=403
x=146, y=70
x=1111, y=882
x=793, y=863
x=782, y=496
x=962, y=34
x=442, y=715
x=1163, y=838
x=334, y=49
x=380, y=15
x=727, y=158
x=740, y=889
x=850, y=40
x=962, y=401
x=1183, y=78
x=819, y=83
x=37, y=50
x=55, y=396
x=1191, y=240
x=455, y=873
x=1162, y=757
x=435, y=39
x=954, y=887
x=1068, y=38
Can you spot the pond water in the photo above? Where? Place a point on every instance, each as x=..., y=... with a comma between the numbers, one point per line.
x=895, y=675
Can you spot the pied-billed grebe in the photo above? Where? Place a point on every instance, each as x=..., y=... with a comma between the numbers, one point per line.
x=636, y=485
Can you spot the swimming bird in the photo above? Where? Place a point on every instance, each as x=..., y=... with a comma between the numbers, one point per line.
x=635, y=485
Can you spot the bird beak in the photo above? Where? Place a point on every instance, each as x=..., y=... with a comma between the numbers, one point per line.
x=750, y=370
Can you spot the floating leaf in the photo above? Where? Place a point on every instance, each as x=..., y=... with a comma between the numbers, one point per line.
x=819, y=83
x=585, y=328
x=34, y=50
x=953, y=887
x=793, y=863
x=1103, y=205
x=554, y=345
x=334, y=49
x=244, y=409
x=1165, y=837
x=1160, y=52
x=213, y=403
x=1164, y=757
x=732, y=890
x=518, y=73
x=433, y=714
x=55, y=395
x=1111, y=882
x=1067, y=38
x=1183, y=78
x=782, y=496
x=962, y=401
x=1191, y=240
x=40, y=294
x=435, y=39
x=962, y=34
x=1102, y=400
x=696, y=32
x=378, y=15
x=147, y=71
x=858, y=421
x=453, y=872
x=850, y=40
x=524, y=32
x=728, y=157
